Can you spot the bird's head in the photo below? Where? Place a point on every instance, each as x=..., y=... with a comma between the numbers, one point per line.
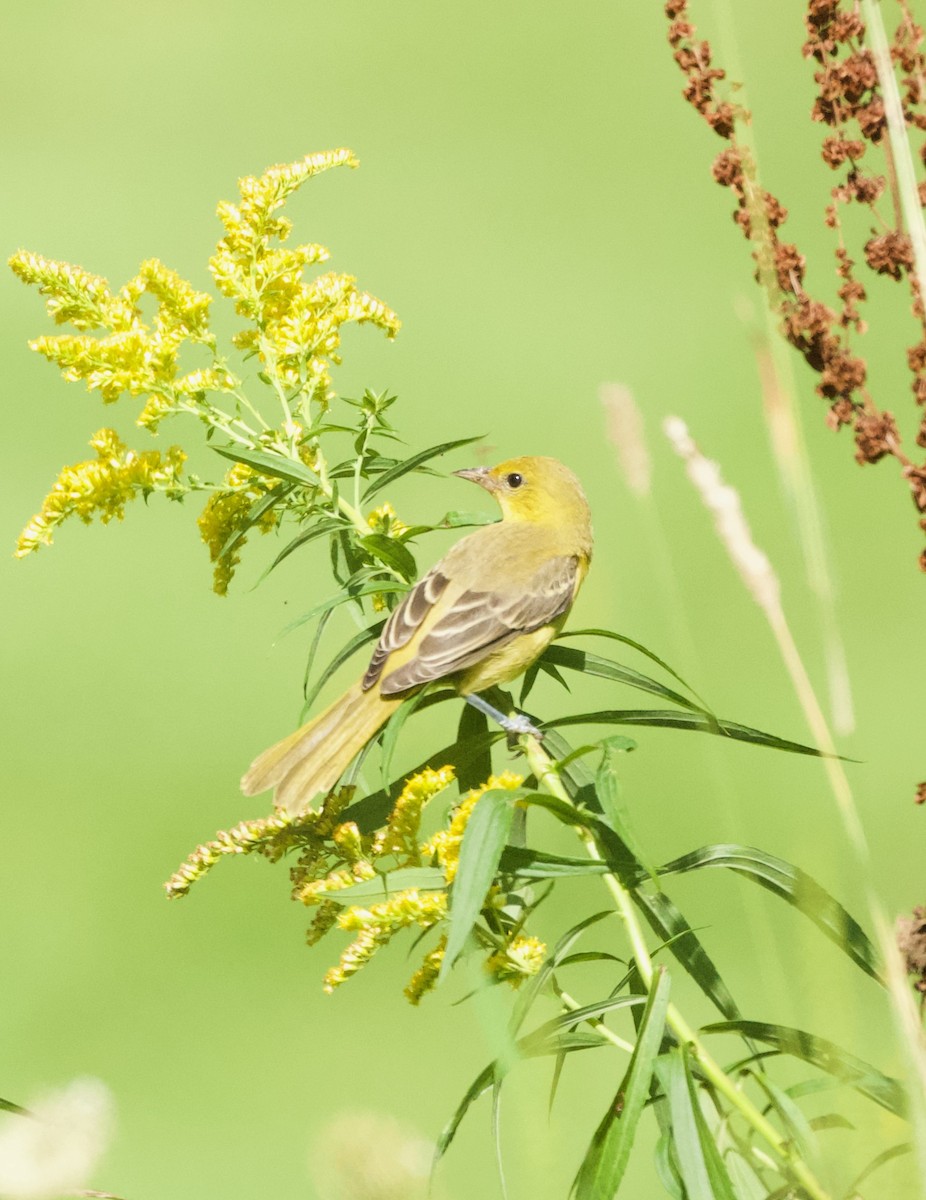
x=538, y=490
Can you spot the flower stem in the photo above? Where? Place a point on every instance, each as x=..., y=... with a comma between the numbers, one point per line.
x=547, y=776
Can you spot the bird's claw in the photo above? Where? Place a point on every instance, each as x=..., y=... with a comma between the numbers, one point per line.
x=517, y=724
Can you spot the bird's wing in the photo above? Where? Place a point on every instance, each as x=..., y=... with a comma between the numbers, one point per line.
x=474, y=624
x=405, y=621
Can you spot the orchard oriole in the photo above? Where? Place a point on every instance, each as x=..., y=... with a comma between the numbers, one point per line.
x=478, y=618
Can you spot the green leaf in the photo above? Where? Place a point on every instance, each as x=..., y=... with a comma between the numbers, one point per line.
x=879, y=1160
x=318, y=528
x=797, y=1127
x=392, y=553
x=683, y=943
x=425, y=879
x=605, y=668
x=535, y=864
x=451, y=520
x=371, y=589
x=473, y=728
x=606, y=1159
x=668, y=719
x=280, y=466
x=563, y=1043
x=824, y=1055
x=483, y=841
x=363, y=638
x=416, y=460
x=783, y=879
x=9, y=1106
x=699, y=1159
x=689, y=1155
x=394, y=727
x=619, y=637
x=608, y=789
x=574, y=1016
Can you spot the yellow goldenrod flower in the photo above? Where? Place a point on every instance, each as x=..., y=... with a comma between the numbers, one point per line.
x=400, y=836
x=74, y=295
x=383, y=520
x=348, y=840
x=298, y=322
x=445, y=844
x=226, y=514
x=377, y=924
x=316, y=890
x=524, y=956
x=103, y=486
x=425, y=978
x=243, y=839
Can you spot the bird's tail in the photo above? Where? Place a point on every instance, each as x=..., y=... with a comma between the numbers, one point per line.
x=313, y=759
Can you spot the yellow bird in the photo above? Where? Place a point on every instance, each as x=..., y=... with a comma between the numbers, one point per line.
x=477, y=619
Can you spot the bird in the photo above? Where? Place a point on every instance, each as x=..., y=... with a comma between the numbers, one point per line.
x=477, y=619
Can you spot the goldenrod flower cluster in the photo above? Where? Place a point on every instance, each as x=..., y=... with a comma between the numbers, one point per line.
x=523, y=956
x=103, y=486
x=400, y=835
x=225, y=519
x=243, y=839
x=445, y=844
x=378, y=923
x=133, y=356
x=297, y=322
x=383, y=520
x=118, y=349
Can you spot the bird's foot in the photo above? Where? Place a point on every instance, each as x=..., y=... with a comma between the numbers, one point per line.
x=517, y=724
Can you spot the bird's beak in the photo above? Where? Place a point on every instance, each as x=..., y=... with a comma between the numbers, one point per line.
x=478, y=475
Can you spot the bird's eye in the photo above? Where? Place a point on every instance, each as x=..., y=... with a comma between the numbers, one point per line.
x=514, y=480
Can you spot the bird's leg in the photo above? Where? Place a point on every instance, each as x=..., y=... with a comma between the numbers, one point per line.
x=517, y=723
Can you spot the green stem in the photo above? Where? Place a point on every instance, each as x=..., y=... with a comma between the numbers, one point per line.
x=547, y=776
x=596, y=1022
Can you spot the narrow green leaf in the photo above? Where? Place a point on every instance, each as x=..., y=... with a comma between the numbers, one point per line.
x=451, y=520
x=394, y=727
x=575, y=1016
x=608, y=788
x=319, y=528
x=606, y=1159
x=363, y=638
x=535, y=864
x=473, y=729
x=797, y=1127
x=391, y=552
x=824, y=1055
x=683, y=943
x=698, y=722
x=619, y=637
x=483, y=841
x=370, y=589
x=280, y=466
x=9, y=1106
x=799, y=889
x=425, y=879
x=674, y=1079
x=879, y=1160
x=416, y=460
x=483, y=1081
x=604, y=668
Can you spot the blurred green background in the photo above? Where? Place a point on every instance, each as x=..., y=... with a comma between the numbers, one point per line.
x=535, y=201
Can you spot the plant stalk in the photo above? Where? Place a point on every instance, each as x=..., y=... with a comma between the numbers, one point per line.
x=547, y=776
